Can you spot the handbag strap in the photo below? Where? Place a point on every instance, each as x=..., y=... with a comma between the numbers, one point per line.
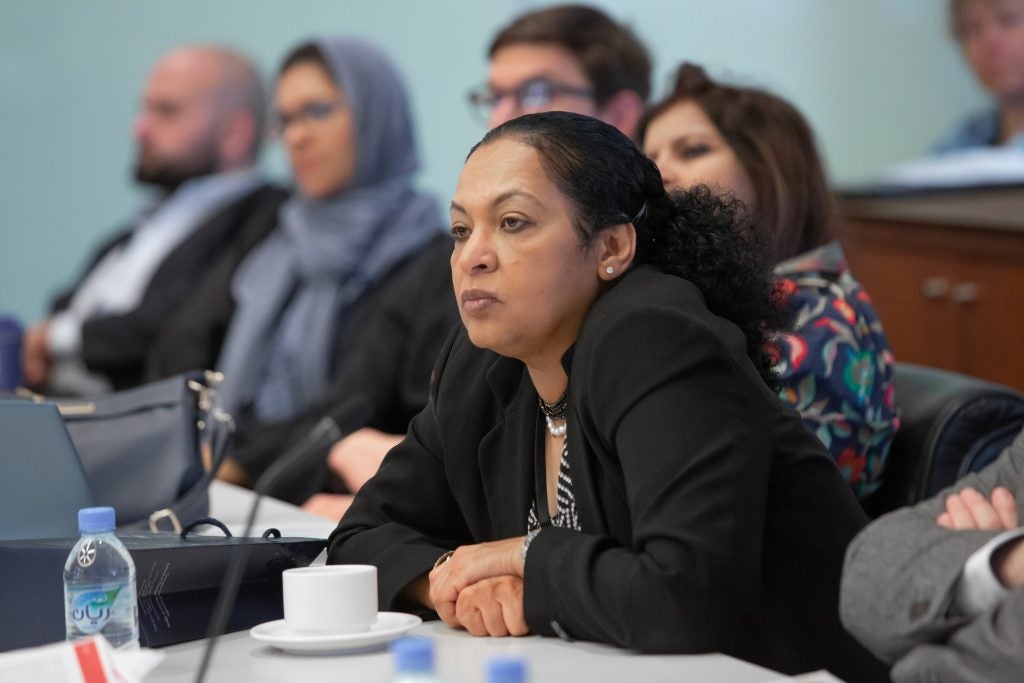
x=219, y=438
x=217, y=426
x=216, y=430
x=207, y=521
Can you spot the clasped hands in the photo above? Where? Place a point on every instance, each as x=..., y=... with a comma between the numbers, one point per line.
x=480, y=588
x=970, y=509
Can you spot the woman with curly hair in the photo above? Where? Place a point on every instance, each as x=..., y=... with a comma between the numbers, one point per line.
x=602, y=457
x=835, y=364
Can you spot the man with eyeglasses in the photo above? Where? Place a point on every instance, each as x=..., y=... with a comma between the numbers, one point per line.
x=566, y=58
x=198, y=135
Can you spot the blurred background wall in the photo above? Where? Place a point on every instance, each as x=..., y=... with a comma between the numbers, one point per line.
x=878, y=79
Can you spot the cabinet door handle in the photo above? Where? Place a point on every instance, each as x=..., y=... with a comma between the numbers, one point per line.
x=965, y=292
x=934, y=287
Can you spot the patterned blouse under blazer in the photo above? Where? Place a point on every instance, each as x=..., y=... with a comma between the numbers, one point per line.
x=836, y=365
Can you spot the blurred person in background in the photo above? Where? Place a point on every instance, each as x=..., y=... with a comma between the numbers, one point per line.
x=350, y=297
x=991, y=36
x=835, y=364
x=198, y=137
x=566, y=58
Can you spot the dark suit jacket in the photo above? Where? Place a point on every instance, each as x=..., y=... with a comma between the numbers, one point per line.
x=712, y=520
x=191, y=335
x=385, y=356
x=899, y=580
x=118, y=346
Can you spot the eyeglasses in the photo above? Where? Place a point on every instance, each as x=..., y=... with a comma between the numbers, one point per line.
x=310, y=112
x=531, y=96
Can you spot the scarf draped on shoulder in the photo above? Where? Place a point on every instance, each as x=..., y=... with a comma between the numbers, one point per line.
x=294, y=293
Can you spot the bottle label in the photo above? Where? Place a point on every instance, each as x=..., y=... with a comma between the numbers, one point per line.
x=93, y=606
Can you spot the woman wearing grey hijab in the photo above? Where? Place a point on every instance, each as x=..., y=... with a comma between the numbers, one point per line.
x=344, y=119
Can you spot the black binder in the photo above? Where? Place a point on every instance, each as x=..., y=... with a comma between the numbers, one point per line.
x=176, y=579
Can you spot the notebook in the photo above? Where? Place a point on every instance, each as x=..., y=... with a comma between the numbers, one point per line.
x=42, y=485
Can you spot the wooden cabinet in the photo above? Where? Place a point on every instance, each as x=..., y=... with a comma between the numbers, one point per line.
x=946, y=274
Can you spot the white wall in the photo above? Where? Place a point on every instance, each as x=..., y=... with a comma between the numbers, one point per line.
x=879, y=80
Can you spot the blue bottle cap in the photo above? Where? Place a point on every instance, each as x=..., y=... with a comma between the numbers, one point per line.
x=96, y=520
x=413, y=654
x=506, y=670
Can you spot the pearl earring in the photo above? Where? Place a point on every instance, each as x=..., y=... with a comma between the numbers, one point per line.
x=609, y=270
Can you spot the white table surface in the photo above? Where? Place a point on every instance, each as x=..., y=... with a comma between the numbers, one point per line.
x=461, y=658
x=230, y=504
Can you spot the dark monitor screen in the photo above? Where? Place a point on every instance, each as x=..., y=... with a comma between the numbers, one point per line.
x=42, y=485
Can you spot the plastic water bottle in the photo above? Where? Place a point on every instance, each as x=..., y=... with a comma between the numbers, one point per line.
x=414, y=661
x=506, y=670
x=99, y=583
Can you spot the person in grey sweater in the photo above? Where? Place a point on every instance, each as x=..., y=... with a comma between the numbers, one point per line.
x=937, y=588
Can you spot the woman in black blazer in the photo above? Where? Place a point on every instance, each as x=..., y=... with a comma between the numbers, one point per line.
x=602, y=457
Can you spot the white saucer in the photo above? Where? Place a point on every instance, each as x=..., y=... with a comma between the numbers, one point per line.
x=389, y=625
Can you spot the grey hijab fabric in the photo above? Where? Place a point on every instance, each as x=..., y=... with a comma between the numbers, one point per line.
x=294, y=292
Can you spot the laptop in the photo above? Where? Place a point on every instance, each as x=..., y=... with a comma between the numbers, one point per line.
x=42, y=485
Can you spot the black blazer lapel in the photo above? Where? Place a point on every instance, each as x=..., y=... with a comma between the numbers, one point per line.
x=505, y=454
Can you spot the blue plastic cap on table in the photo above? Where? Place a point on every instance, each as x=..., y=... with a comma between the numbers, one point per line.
x=506, y=670
x=413, y=654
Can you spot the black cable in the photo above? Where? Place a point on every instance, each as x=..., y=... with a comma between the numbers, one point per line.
x=353, y=413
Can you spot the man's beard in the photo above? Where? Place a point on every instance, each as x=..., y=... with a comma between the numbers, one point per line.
x=169, y=174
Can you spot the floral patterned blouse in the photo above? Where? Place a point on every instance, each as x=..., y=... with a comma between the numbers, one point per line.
x=836, y=365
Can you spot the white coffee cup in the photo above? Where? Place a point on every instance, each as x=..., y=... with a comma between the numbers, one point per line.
x=337, y=598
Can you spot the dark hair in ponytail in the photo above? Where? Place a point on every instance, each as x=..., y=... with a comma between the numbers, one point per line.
x=693, y=234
